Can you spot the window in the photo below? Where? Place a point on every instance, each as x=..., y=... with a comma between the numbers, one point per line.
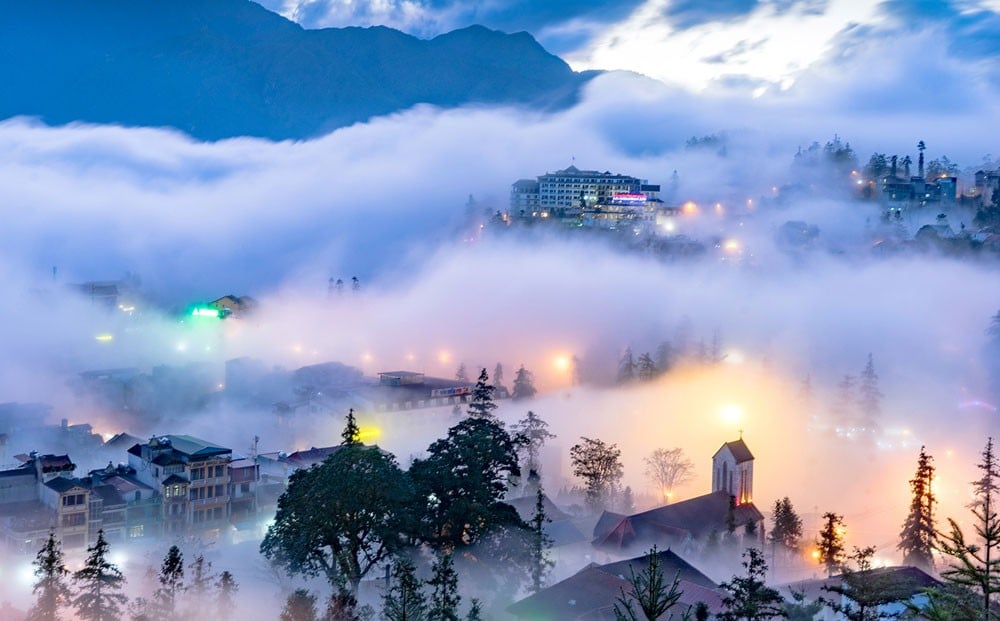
x=217, y=513
x=244, y=488
x=197, y=474
x=138, y=497
x=220, y=471
x=74, y=519
x=135, y=531
x=72, y=500
x=218, y=491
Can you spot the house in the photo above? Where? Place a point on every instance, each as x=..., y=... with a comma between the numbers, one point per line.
x=121, y=505
x=235, y=306
x=193, y=478
x=560, y=527
x=39, y=496
x=898, y=587
x=407, y=390
x=592, y=592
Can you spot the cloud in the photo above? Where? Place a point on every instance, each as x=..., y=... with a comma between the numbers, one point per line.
x=386, y=200
x=559, y=25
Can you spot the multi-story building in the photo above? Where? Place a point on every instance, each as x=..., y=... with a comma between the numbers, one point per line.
x=194, y=479
x=39, y=496
x=172, y=485
x=572, y=193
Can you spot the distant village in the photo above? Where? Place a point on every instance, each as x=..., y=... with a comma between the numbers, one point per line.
x=944, y=214
x=591, y=537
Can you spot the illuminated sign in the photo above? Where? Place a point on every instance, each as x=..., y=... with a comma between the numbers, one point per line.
x=629, y=198
x=450, y=392
x=205, y=311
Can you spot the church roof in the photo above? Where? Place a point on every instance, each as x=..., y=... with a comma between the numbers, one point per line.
x=739, y=450
x=697, y=517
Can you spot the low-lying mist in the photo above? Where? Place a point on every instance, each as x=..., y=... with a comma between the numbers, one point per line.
x=386, y=201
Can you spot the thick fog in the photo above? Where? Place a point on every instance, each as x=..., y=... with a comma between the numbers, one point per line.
x=388, y=202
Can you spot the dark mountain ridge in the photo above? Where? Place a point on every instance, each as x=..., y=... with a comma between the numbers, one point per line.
x=224, y=68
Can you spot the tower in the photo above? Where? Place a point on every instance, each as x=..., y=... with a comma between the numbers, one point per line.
x=732, y=471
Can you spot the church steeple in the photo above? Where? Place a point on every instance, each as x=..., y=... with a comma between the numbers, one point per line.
x=732, y=471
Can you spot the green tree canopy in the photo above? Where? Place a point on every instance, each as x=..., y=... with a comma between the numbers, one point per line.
x=341, y=518
x=461, y=484
x=787, y=529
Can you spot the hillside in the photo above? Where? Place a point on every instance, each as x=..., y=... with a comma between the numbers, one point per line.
x=230, y=67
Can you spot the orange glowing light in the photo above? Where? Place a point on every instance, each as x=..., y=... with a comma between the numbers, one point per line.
x=561, y=363
x=815, y=555
x=444, y=357
x=690, y=208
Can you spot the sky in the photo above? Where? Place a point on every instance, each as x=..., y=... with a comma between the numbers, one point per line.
x=387, y=201
x=750, y=46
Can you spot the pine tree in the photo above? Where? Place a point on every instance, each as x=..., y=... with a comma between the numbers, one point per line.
x=787, y=529
x=481, y=405
x=831, y=542
x=498, y=378
x=171, y=580
x=461, y=374
x=976, y=565
x=475, y=611
x=665, y=356
x=869, y=397
x=405, y=599
x=648, y=591
x=917, y=537
x=845, y=403
x=627, y=505
x=51, y=589
x=646, y=368
x=541, y=543
x=626, y=367
x=225, y=599
x=524, y=385
x=99, y=584
x=748, y=597
x=445, y=598
x=352, y=433
x=300, y=606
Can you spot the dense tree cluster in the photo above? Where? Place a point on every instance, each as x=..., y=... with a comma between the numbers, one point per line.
x=94, y=592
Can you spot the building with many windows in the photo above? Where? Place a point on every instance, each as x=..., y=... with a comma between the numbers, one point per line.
x=193, y=478
x=589, y=195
